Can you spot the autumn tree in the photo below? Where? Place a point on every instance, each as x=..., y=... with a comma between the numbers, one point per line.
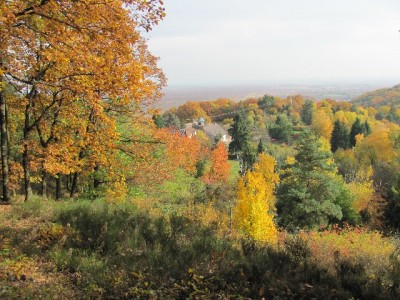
x=348, y=165
x=219, y=166
x=361, y=187
x=254, y=210
x=378, y=147
x=181, y=151
x=346, y=117
x=191, y=111
x=69, y=56
x=322, y=124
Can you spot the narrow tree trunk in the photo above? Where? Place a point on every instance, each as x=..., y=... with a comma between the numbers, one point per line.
x=44, y=184
x=74, y=184
x=25, y=158
x=58, y=187
x=27, y=174
x=96, y=181
x=4, y=150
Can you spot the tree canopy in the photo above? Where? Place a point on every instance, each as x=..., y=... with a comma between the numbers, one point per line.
x=72, y=67
x=311, y=194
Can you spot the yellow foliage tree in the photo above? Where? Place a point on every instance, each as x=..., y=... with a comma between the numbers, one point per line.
x=254, y=211
x=362, y=188
x=378, y=146
x=346, y=117
x=322, y=124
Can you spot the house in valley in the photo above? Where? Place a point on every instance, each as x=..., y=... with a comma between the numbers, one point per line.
x=217, y=133
x=214, y=131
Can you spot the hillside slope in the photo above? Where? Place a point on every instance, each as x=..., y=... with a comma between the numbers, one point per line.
x=379, y=98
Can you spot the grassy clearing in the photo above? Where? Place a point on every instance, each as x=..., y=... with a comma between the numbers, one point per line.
x=91, y=249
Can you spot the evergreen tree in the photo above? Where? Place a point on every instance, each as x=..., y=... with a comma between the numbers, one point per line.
x=393, y=206
x=311, y=194
x=170, y=120
x=266, y=102
x=356, y=128
x=307, y=112
x=240, y=133
x=282, y=129
x=248, y=158
x=340, y=136
x=159, y=121
x=367, y=128
x=260, y=147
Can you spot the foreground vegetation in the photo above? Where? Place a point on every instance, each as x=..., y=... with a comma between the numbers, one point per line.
x=93, y=249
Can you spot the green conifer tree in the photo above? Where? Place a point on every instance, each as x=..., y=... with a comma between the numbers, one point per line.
x=307, y=112
x=282, y=129
x=240, y=133
x=311, y=193
x=356, y=128
x=340, y=136
x=260, y=147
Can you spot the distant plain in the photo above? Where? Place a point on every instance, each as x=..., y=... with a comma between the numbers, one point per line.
x=177, y=95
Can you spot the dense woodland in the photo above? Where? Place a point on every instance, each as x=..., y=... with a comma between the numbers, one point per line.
x=106, y=198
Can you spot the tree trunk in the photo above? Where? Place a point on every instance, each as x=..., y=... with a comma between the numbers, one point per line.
x=74, y=184
x=44, y=184
x=4, y=150
x=58, y=187
x=27, y=174
x=25, y=158
x=96, y=181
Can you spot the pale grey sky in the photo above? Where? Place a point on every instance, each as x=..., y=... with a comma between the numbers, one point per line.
x=223, y=42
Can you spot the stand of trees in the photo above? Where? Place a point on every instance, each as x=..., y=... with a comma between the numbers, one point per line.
x=69, y=69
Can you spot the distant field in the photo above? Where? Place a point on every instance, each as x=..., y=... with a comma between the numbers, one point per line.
x=175, y=96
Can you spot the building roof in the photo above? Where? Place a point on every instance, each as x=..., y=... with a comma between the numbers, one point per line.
x=214, y=129
x=190, y=131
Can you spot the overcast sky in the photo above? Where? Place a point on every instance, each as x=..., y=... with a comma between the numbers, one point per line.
x=224, y=42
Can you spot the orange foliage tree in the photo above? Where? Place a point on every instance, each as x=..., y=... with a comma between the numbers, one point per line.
x=181, y=151
x=75, y=66
x=219, y=169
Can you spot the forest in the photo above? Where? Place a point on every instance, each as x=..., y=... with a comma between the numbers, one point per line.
x=104, y=197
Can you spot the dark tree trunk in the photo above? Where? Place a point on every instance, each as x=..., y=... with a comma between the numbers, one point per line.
x=44, y=184
x=27, y=174
x=58, y=187
x=74, y=184
x=4, y=150
x=25, y=158
x=96, y=181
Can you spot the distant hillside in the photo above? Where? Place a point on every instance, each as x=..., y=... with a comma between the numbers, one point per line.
x=379, y=98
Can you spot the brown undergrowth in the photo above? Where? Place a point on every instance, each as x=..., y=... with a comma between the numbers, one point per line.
x=25, y=272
